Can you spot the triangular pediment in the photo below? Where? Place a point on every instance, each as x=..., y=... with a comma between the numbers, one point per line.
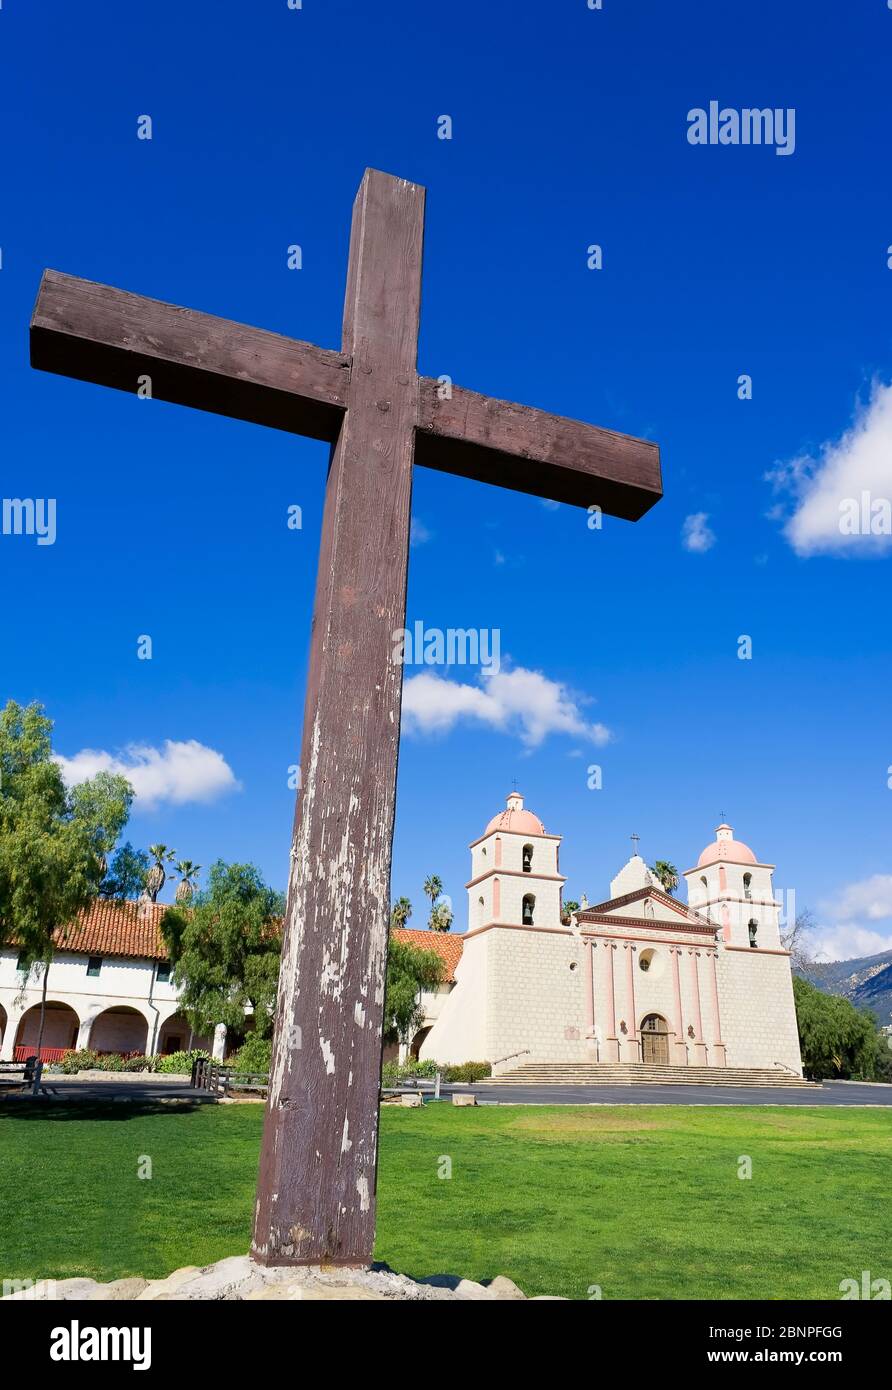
x=661, y=907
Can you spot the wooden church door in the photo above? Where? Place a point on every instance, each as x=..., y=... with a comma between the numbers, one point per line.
x=655, y=1041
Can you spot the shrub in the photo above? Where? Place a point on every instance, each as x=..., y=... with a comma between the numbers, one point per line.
x=180, y=1063
x=392, y=1074
x=84, y=1060
x=468, y=1071
x=88, y=1060
x=142, y=1063
x=255, y=1054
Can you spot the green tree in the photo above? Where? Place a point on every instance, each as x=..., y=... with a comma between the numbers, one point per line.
x=400, y=912
x=225, y=947
x=409, y=971
x=53, y=840
x=835, y=1038
x=567, y=910
x=667, y=874
x=126, y=876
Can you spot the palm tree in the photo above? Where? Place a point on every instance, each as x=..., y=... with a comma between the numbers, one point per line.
x=667, y=874
x=567, y=910
x=188, y=880
x=157, y=875
x=400, y=912
x=441, y=917
x=433, y=887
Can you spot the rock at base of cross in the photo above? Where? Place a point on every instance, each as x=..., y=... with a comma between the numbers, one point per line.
x=238, y=1278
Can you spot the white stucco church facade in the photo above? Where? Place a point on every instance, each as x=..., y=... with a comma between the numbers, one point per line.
x=640, y=978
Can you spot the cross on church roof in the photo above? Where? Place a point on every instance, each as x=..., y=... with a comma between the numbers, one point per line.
x=635, y=839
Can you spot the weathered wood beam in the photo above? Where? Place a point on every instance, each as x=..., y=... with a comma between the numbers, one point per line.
x=316, y=1187
x=528, y=450
x=99, y=334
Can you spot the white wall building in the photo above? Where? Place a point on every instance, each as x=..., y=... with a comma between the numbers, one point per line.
x=108, y=988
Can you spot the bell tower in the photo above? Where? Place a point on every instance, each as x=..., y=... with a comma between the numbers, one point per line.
x=515, y=874
x=736, y=893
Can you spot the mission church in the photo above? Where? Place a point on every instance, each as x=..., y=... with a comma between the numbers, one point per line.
x=638, y=978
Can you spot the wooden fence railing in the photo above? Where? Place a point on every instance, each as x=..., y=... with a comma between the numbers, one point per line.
x=222, y=1080
x=21, y=1074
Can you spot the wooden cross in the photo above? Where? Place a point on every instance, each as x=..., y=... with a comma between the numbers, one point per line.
x=316, y=1188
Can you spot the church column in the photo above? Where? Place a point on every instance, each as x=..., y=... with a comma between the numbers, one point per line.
x=589, y=988
x=681, y=1051
x=719, y=1051
x=699, y=1044
x=13, y=1019
x=611, y=1042
x=591, y=1047
x=633, y=1052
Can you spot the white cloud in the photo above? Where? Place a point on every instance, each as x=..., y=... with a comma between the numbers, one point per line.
x=178, y=772
x=696, y=536
x=846, y=936
x=871, y=898
x=519, y=701
x=823, y=489
x=418, y=532
x=847, y=943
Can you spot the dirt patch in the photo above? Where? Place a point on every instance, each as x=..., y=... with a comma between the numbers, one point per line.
x=592, y=1123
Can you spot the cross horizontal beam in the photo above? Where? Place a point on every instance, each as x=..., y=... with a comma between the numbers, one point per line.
x=528, y=450
x=108, y=336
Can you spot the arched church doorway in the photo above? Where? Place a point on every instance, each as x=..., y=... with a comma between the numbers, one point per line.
x=418, y=1039
x=655, y=1040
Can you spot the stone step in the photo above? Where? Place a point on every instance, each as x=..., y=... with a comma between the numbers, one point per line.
x=638, y=1074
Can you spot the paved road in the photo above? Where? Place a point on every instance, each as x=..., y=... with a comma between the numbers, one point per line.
x=831, y=1093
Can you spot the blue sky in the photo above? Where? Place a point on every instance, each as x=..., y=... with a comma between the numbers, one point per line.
x=569, y=129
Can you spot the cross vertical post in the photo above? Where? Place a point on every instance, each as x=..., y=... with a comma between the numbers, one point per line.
x=316, y=1190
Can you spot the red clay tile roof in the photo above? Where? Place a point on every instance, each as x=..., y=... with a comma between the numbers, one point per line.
x=443, y=942
x=128, y=929
x=116, y=929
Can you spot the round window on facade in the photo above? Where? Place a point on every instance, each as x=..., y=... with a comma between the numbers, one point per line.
x=651, y=962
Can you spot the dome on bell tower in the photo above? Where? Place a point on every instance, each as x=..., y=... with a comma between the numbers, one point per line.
x=726, y=849
x=515, y=819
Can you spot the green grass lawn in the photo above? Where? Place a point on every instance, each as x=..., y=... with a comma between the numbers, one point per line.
x=644, y=1202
